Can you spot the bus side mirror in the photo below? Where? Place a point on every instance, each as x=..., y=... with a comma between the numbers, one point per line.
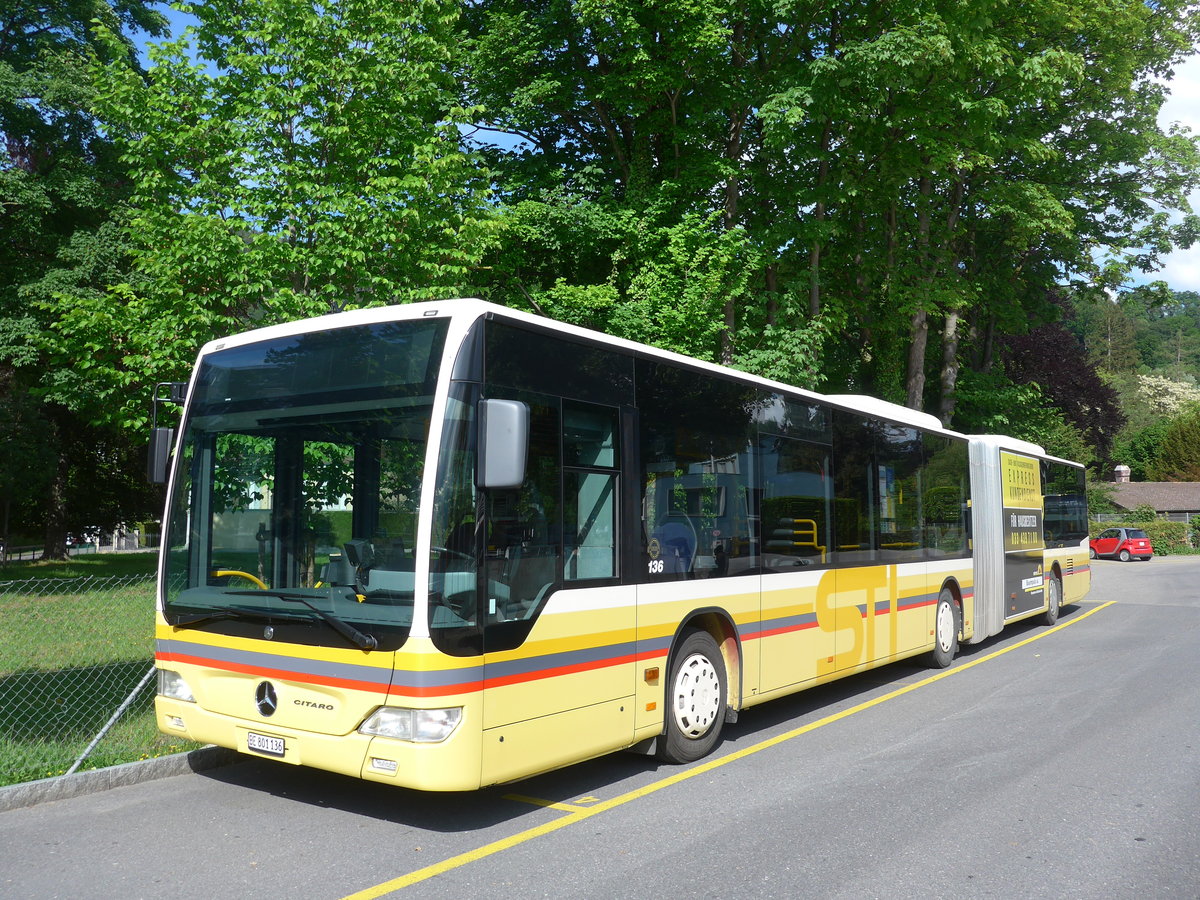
x=158, y=458
x=503, y=444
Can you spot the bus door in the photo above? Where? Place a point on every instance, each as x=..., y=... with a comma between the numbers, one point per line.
x=559, y=627
x=798, y=587
x=882, y=607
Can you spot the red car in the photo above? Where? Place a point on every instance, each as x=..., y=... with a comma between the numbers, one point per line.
x=1123, y=543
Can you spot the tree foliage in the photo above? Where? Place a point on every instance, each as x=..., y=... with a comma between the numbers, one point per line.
x=1178, y=455
x=1138, y=449
x=912, y=178
x=884, y=198
x=1142, y=341
x=60, y=179
x=1053, y=359
x=288, y=159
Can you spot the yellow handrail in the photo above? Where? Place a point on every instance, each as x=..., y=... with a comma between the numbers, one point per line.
x=222, y=573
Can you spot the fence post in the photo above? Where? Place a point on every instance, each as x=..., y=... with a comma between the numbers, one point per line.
x=112, y=720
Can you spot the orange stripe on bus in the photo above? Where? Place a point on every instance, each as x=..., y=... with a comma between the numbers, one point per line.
x=281, y=674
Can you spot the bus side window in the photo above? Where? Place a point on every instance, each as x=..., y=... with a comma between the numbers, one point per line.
x=589, y=491
x=856, y=486
x=946, y=516
x=899, y=455
x=796, y=503
x=1065, y=504
x=697, y=473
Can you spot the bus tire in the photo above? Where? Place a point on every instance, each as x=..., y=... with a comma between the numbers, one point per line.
x=1054, y=601
x=696, y=699
x=945, y=631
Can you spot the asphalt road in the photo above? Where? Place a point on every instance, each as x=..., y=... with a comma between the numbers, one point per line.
x=1045, y=763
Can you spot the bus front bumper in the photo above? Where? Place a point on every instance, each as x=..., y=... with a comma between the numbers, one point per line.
x=450, y=765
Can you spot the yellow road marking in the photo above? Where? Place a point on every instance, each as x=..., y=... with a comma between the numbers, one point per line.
x=579, y=814
x=549, y=804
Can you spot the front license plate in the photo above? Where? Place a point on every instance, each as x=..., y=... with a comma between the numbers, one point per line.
x=262, y=743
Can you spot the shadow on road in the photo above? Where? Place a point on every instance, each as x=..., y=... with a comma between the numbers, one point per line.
x=607, y=776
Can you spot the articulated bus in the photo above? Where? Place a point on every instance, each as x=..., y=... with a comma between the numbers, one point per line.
x=448, y=545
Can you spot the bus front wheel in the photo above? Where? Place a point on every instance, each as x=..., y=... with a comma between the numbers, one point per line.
x=696, y=699
x=945, y=631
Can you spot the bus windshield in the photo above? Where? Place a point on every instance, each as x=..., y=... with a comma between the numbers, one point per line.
x=293, y=514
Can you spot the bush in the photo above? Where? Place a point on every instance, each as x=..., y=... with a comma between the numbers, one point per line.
x=1143, y=513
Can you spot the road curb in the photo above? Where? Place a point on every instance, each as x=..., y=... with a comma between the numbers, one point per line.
x=65, y=787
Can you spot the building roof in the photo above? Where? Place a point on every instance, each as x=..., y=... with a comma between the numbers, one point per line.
x=1164, y=496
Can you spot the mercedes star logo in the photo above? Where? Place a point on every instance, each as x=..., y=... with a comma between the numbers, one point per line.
x=265, y=699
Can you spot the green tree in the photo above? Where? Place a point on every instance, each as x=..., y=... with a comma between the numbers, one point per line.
x=1109, y=334
x=1169, y=336
x=912, y=179
x=1139, y=449
x=24, y=478
x=60, y=179
x=647, y=111
x=1178, y=457
x=994, y=404
x=1051, y=358
x=289, y=159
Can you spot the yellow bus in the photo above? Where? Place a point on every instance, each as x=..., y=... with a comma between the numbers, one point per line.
x=448, y=545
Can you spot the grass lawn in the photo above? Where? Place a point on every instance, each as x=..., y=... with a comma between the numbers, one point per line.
x=49, y=627
x=88, y=565
x=69, y=655
x=134, y=737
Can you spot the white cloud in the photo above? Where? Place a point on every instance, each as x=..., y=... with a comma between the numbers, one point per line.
x=1181, y=269
x=1183, y=105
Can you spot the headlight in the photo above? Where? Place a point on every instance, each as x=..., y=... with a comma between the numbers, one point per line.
x=171, y=684
x=422, y=726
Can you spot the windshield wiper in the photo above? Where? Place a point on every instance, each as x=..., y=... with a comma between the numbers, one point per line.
x=345, y=629
x=221, y=612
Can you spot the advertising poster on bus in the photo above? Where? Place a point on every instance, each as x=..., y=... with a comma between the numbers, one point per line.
x=1021, y=478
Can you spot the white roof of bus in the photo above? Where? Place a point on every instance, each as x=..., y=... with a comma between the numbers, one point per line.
x=472, y=308
x=1004, y=442
x=883, y=409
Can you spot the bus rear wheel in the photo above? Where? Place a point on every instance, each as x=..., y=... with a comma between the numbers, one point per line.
x=945, y=631
x=696, y=700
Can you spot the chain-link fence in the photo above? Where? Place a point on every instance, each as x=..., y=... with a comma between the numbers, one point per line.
x=75, y=686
